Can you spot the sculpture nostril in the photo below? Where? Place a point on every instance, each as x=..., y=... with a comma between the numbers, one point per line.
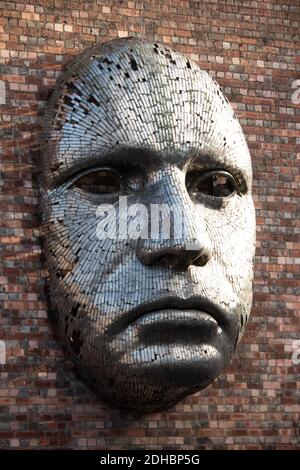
x=155, y=259
x=167, y=261
x=201, y=260
x=177, y=258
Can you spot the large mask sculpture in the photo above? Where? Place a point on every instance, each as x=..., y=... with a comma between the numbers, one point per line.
x=148, y=222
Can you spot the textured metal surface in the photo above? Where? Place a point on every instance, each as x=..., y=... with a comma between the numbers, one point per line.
x=148, y=319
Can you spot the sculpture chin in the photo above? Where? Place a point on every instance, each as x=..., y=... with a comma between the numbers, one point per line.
x=148, y=388
x=160, y=359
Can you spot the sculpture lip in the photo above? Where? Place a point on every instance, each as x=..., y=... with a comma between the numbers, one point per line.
x=178, y=303
x=223, y=318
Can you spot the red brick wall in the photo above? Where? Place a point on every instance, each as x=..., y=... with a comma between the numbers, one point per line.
x=250, y=48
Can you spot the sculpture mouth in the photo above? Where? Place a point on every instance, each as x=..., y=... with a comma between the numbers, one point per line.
x=177, y=309
x=176, y=326
x=192, y=336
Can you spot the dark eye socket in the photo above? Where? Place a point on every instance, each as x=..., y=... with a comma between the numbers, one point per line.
x=101, y=181
x=217, y=183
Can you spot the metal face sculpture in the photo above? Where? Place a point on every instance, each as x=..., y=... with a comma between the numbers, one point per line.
x=148, y=222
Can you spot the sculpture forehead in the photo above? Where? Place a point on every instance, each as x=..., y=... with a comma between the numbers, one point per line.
x=135, y=93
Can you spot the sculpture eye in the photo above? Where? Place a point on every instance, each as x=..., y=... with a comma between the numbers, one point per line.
x=101, y=181
x=219, y=184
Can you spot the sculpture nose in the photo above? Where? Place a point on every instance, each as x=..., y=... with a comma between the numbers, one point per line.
x=188, y=243
x=173, y=254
